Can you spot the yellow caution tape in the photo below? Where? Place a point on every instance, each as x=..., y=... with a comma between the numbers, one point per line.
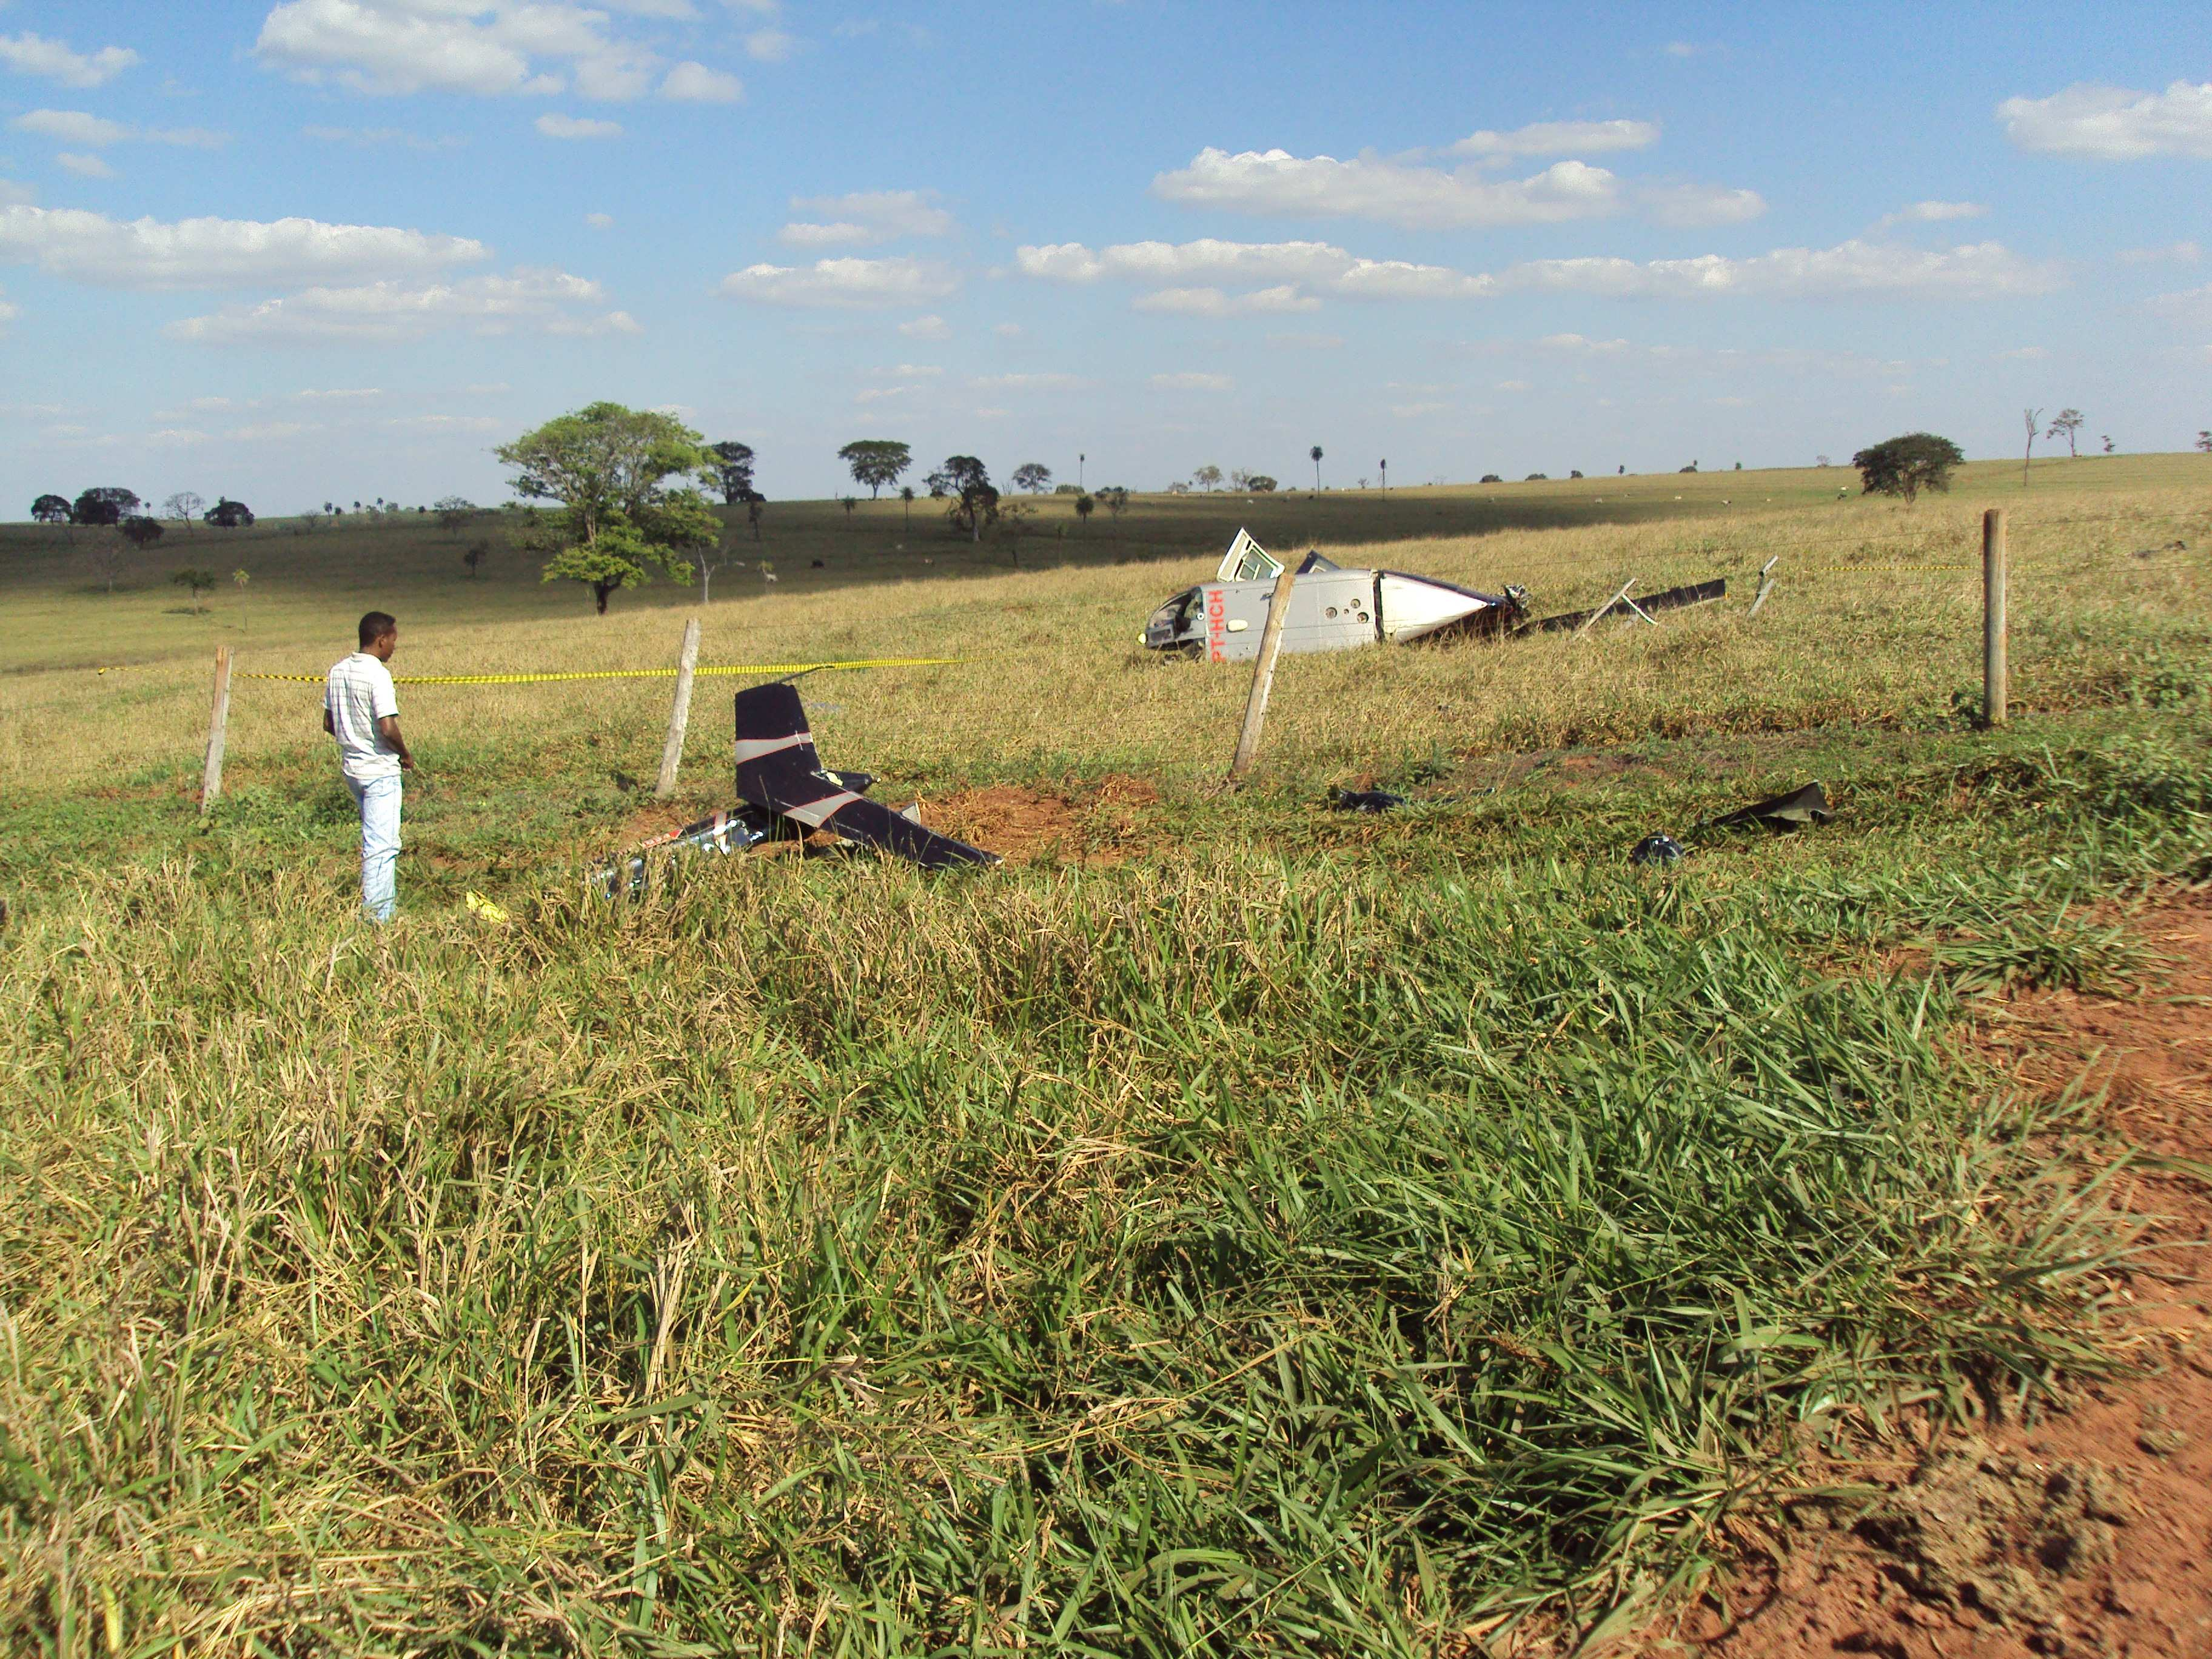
x=628, y=673
x=1880, y=569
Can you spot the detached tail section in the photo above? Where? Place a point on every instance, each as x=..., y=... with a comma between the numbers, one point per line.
x=779, y=771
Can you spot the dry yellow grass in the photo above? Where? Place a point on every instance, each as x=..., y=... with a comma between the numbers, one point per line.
x=1055, y=680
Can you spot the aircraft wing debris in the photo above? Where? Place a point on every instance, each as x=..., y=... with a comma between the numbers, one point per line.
x=784, y=791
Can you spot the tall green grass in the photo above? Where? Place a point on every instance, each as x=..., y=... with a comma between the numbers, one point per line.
x=1250, y=1252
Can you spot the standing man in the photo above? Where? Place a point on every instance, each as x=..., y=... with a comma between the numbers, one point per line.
x=362, y=711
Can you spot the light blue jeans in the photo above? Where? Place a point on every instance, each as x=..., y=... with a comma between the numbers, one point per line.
x=379, y=800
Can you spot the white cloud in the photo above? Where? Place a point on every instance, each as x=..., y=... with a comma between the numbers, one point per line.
x=272, y=431
x=876, y=394
x=2190, y=304
x=546, y=302
x=2026, y=354
x=369, y=135
x=1207, y=259
x=1559, y=138
x=915, y=371
x=1419, y=411
x=31, y=54
x=1850, y=271
x=84, y=167
x=148, y=253
x=8, y=312
x=15, y=193
x=445, y=423
x=1934, y=213
x=1514, y=386
x=72, y=126
x=2113, y=123
x=2181, y=253
x=1028, y=382
x=1006, y=331
x=486, y=47
x=572, y=126
x=770, y=45
x=842, y=282
x=1214, y=302
x=1295, y=342
x=339, y=394
x=694, y=83
x=1689, y=206
x=1401, y=193
x=932, y=327
x=1193, y=382
x=1579, y=343
x=1274, y=182
x=868, y=215
x=1397, y=279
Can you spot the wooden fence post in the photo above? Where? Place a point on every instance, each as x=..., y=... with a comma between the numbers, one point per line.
x=218, y=729
x=1995, y=690
x=679, y=715
x=1263, y=676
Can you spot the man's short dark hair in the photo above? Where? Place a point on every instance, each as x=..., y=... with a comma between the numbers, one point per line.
x=375, y=625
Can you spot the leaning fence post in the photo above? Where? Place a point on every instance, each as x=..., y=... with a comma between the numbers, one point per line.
x=1994, y=688
x=679, y=715
x=1263, y=676
x=218, y=728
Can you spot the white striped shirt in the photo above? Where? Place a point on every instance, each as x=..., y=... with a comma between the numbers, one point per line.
x=360, y=692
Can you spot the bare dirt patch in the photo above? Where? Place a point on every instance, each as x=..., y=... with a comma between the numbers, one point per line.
x=2090, y=1532
x=1102, y=822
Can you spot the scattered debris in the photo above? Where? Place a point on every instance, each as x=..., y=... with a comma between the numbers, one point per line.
x=480, y=906
x=1794, y=811
x=1364, y=800
x=1658, y=849
x=1331, y=608
x=785, y=793
x=1334, y=609
x=1673, y=598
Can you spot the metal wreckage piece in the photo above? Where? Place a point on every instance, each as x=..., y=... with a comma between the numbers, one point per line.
x=784, y=792
x=1334, y=609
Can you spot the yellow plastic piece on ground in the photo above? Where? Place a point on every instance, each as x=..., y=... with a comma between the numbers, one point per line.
x=479, y=905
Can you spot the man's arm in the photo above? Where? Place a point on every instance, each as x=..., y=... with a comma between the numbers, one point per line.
x=327, y=726
x=387, y=727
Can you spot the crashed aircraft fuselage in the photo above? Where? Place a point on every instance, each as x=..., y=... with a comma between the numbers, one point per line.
x=1330, y=608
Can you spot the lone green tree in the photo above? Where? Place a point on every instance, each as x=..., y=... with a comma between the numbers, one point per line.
x=199, y=581
x=733, y=468
x=972, y=500
x=1034, y=477
x=1908, y=465
x=1315, y=455
x=141, y=533
x=618, y=475
x=106, y=504
x=52, y=509
x=2065, y=424
x=875, y=462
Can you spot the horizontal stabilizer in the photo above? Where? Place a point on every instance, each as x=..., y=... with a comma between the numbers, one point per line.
x=780, y=771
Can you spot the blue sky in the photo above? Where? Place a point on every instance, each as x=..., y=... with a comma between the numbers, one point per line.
x=337, y=249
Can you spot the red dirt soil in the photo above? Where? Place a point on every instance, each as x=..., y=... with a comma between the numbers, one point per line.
x=2090, y=1532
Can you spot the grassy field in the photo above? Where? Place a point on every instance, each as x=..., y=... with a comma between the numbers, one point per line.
x=1230, y=1227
